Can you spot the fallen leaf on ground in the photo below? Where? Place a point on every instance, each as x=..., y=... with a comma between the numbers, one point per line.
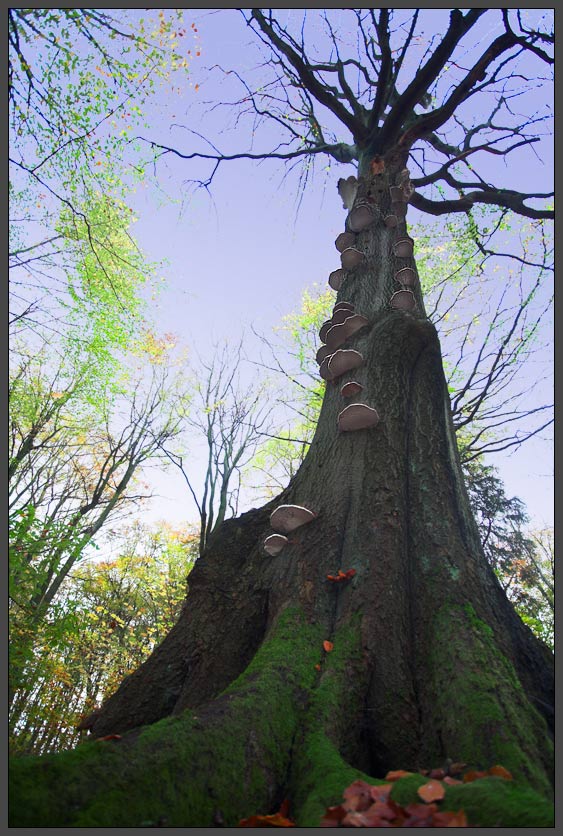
x=275, y=820
x=473, y=775
x=432, y=791
x=500, y=772
x=395, y=774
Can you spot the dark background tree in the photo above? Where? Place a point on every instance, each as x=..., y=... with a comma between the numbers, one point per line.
x=427, y=659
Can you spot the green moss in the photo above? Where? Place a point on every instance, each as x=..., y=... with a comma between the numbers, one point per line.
x=494, y=802
x=485, y=716
x=320, y=772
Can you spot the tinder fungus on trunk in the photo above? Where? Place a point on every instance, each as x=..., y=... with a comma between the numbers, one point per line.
x=357, y=416
x=351, y=257
x=351, y=388
x=343, y=360
x=336, y=278
x=343, y=306
x=403, y=247
x=322, y=353
x=275, y=543
x=406, y=277
x=344, y=240
x=403, y=300
x=324, y=328
x=390, y=221
x=361, y=217
x=287, y=518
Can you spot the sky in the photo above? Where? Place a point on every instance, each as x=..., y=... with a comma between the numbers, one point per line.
x=241, y=253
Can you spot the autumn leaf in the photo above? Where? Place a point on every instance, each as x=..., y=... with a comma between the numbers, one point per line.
x=328, y=646
x=333, y=816
x=473, y=775
x=500, y=772
x=317, y=667
x=394, y=775
x=447, y=818
x=367, y=805
x=432, y=791
x=110, y=737
x=275, y=820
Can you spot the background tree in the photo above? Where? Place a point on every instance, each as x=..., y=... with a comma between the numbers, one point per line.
x=109, y=616
x=231, y=420
x=293, y=683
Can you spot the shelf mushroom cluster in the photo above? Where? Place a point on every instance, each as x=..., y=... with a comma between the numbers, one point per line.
x=334, y=361
x=285, y=519
x=363, y=212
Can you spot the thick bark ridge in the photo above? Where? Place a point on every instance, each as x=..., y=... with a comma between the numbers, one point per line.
x=429, y=662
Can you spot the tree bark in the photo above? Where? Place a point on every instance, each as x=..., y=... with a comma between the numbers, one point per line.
x=240, y=706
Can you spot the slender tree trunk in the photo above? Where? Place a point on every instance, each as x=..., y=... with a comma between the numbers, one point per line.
x=429, y=662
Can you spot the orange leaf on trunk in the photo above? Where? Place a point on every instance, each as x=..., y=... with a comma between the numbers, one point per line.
x=328, y=646
x=432, y=791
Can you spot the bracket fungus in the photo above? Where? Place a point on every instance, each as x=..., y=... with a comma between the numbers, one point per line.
x=354, y=323
x=350, y=389
x=390, y=221
x=403, y=300
x=336, y=278
x=343, y=360
x=340, y=315
x=323, y=353
x=403, y=247
x=324, y=328
x=357, y=416
x=361, y=217
x=343, y=306
x=323, y=368
x=287, y=518
x=406, y=277
x=347, y=189
x=336, y=336
x=351, y=257
x=344, y=240
x=275, y=543
x=397, y=194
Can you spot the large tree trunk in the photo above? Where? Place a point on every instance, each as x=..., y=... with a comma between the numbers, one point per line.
x=430, y=660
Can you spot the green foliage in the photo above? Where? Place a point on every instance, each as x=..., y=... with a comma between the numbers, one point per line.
x=109, y=616
x=80, y=80
x=522, y=560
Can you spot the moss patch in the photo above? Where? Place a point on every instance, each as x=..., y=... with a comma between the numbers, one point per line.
x=320, y=773
x=480, y=707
